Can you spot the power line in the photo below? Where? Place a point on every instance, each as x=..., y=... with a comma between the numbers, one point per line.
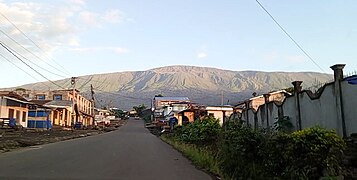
x=32, y=54
x=291, y=38
x=35, y=63
x=22, y=69
x=33, y=42
x=7, y=49
x=86, y=82
x=18, y=67
x=123, y=96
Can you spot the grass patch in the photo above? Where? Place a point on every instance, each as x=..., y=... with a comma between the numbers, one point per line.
x=200, y=156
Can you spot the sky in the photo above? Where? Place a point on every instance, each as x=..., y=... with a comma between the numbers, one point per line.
x=65, y=38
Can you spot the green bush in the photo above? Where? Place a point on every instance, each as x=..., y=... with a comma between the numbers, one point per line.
x=239, y=151
x=315, y=152
x=312, y=153
x=200, y=132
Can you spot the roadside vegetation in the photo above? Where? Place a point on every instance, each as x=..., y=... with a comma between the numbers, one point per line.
x=236, y=151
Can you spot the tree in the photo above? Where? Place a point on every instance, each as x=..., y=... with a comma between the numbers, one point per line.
x=139, y=109
x=119, y=113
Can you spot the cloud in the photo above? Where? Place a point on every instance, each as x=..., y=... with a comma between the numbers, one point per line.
x=113, y=16
x=271, y=57
x=53, y=25
x=201, y=55
x=202, y=52
x=78, y=2
x=73, y=41
x=89, y=18
x=118, y=50
x=296, y=59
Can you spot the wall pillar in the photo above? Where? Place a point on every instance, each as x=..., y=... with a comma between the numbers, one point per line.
x=223, y=117
x=297, y=90
x=247, y=107
x=338, y=77
x=266, y=101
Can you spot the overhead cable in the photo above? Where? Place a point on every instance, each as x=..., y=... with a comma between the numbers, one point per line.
x=291, y=38
x=32, y=54
x=12, y=53
x=33, y=42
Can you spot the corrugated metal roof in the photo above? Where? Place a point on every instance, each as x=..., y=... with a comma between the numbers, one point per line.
x=172, y=98
x=59, y=103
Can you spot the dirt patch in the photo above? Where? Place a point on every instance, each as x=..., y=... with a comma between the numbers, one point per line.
x=12, y=139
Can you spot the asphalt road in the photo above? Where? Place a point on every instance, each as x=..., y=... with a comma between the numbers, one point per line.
x=128, y=153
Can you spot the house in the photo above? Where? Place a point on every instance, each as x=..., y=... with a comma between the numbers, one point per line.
x=173, y=110
x=191, y=114
x=68, y=106
x=14, y=106
x=39, y=116
x=221, y=113
x=102, y=115
x=160, y=103
x=61, y=114
x=255, y=102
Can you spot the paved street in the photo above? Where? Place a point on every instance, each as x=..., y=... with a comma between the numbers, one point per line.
x=128, y=153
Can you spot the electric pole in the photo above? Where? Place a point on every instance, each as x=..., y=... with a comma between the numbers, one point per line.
x=73, y=83
x=93, y=103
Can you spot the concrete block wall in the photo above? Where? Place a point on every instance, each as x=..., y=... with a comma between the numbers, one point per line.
x=332, y=107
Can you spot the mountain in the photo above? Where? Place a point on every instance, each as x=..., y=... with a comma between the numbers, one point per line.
x=201, y=84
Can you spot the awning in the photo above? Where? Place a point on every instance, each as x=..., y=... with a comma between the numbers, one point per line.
x=17, y=100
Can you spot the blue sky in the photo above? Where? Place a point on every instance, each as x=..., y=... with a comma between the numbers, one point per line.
x=81, y=37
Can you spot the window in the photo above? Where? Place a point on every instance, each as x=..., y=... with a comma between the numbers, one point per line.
x=24, y=115
x=57, y=97
x=41, y=97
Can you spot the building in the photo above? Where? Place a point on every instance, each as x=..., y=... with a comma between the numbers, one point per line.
x=191, y=114
x=221, y=113
x=160, y=103
x=255, y=102
x=39, y=116
x=14, y=106
x=173, y=110
x=68, y=106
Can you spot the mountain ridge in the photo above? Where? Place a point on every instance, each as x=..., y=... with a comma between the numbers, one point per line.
x=201, y=84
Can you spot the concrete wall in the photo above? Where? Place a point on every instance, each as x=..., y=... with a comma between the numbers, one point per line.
x=323, y=109
x=218, y=114
x=350, y=106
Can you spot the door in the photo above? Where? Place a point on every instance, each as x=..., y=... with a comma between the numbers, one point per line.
x=11, y=113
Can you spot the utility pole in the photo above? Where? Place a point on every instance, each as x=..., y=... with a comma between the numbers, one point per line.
x=222, y=98
x=93, y=103
x=73, y=83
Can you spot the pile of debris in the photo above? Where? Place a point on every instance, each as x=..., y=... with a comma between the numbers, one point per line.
x=15, y=138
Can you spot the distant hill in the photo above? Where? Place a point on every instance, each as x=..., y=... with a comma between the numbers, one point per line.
x=201, y=84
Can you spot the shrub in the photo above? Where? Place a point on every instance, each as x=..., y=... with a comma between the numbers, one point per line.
x=239, y=151
x=312, y=153
x=200, y=132
x=315, y=152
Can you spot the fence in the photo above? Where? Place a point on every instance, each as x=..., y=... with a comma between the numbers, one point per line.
x=333, y=106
